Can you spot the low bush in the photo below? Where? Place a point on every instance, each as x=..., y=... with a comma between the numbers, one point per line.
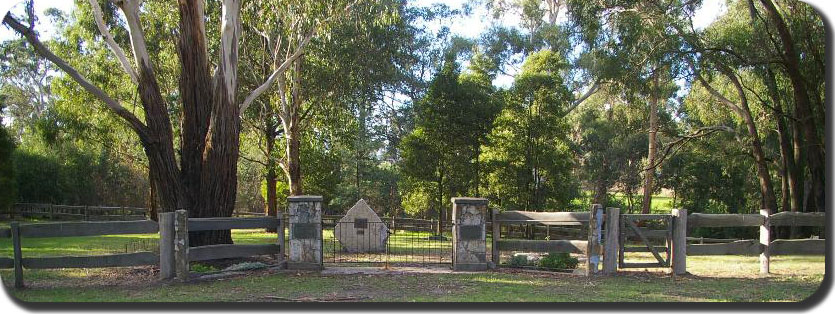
x=519, y=261
x=558, y=261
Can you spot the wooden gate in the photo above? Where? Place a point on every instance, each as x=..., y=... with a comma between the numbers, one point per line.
x=646, y=228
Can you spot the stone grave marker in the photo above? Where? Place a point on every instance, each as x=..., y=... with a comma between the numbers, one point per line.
x=361, y=230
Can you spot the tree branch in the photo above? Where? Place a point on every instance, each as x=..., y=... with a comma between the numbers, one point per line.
x=593, y=89
x=712, y=90
x=289, y=60
x=108, y=38
x=278, y=71
x=137, y=38
x=43, y=51
x=677, y=144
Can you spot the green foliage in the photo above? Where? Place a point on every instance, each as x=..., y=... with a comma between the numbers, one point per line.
x=8, y=186
x=452, y=120
x=558, y=261
x=519, y=261
x=528, y=153
x=202, y=268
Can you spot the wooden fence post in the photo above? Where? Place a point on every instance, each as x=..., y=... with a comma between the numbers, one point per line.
x=497, y=234
x=593, y=244
x=166, y=246
x=181, y=244
x=679, y=241
x=18, y=255
x=610, y=249
x=765, y=240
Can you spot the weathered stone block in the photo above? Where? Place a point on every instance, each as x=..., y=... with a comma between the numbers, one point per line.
x=361, y=230
x=305, y=215
x=468, y=237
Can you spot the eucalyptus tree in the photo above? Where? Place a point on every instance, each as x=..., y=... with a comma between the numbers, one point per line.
x=628, y=46
x=204, y=180
x=25, y=85
x=794, y=33
x=791, y=63
x=353, y=58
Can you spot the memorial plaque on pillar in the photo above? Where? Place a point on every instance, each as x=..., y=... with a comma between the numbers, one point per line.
x=305, y=250
x=469, y=244
x=305, y=231
x=472, y=232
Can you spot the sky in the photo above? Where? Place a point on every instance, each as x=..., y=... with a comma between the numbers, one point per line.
x=469, y=26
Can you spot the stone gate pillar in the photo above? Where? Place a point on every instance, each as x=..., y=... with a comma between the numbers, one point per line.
x=469, y=240
x=305, y=224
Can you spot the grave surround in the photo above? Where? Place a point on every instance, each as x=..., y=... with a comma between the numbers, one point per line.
x=361, y=230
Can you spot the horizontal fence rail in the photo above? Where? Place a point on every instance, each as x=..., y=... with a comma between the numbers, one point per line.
x=203, y=224
x=765, y=247
x=75, y=229
x=99, y=261
x=544, y=246
x=80, y=229
x=543, y=218
x=589, y=244
x=221, y=251
x=177, y=253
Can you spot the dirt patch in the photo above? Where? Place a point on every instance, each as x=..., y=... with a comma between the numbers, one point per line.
x=125, y=277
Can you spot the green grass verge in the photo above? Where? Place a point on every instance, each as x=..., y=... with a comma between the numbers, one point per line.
x=719, y=278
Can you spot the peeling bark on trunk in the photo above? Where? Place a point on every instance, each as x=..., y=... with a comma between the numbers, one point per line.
x=219, y=176
x=194, y=82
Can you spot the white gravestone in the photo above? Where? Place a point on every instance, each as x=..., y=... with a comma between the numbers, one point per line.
x=361, y=230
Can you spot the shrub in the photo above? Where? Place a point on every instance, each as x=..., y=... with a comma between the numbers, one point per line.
x=519, y=261
x=558, y=261
x=202, y=268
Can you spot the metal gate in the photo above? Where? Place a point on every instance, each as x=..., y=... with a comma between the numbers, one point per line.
x=391, y=242
x=647, y=231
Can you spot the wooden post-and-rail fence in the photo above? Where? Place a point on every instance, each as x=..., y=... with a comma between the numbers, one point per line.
x=682, y=224
x=590, y=246
x=175, y=254
x=174, y=251
x=92, y=213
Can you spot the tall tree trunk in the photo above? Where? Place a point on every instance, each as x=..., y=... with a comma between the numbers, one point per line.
x=649, y=174
x=791, y=196
x=271, y=178
x=210, y=129
x=815, y=156
x=292, y=132
x=769, y=201
x=194, y=84
x=799, y=174
x=219, y=176
x=294, y=172
x=439, y=230
x=153, y=209
x=600, y=192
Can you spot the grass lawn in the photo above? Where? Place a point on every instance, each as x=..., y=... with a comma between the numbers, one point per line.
x=723, y=278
